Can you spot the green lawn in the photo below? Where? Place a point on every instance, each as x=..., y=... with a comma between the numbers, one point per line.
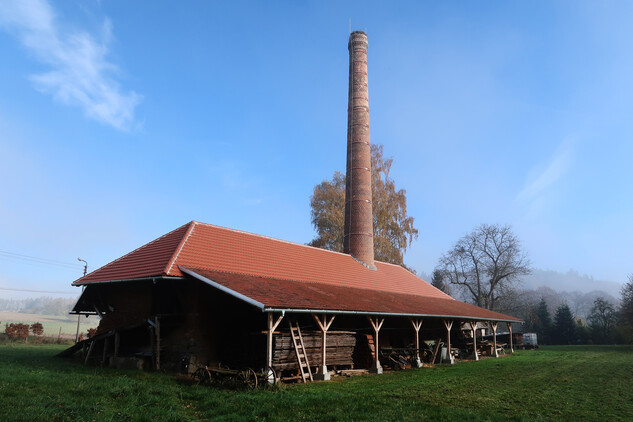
x=574, y=383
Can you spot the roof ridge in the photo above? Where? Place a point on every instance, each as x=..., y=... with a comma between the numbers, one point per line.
x=172, y=261
x=109, y=264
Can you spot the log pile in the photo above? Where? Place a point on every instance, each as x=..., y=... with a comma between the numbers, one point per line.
x=339, y=350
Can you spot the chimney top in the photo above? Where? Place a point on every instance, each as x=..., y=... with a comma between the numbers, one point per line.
x=357, y=38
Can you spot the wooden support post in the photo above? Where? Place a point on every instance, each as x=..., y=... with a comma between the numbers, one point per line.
x=324, y=325
x=473, y=329
x=448, y=324
x=77, y=335
x=493, y=325
x=152, y=341
x=376, y=323
x=510, y=330
x=272, y=325
x=117, y=342
x=105, y=350
x=92, y=344
x=157, y=331
x=417, y=323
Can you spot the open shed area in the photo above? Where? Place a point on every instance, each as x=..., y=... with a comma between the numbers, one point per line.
x=212, y=299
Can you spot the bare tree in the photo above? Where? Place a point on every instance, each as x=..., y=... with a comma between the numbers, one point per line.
x=602, y=319
x=484, y=263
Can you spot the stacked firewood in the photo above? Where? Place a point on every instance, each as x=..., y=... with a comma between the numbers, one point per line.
x=339, y=349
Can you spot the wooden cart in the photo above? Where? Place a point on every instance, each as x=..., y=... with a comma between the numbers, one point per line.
x=239, y=379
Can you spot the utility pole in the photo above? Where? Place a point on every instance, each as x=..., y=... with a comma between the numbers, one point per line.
x=82, y=289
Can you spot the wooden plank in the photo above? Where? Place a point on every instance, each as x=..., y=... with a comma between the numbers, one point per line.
x=92, y=344
x=437, y=348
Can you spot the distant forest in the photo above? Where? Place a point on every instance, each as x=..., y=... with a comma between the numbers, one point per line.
x=40, y=305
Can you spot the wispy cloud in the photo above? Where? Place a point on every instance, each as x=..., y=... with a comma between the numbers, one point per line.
x=79, y=73
x=545, y=177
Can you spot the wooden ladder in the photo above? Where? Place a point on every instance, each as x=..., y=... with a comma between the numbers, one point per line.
x=300, y=350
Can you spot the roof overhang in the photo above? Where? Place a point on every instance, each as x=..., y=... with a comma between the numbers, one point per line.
x=260, y=304
x=151, y=278
x=390, y=314
x=85, y=304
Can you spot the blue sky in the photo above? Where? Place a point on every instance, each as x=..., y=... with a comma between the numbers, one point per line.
x=120, y=121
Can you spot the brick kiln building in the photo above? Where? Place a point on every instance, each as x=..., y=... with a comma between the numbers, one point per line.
x=205, y=295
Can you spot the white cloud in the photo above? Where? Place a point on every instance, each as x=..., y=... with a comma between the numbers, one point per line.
x=542, y=180
x=79, y=74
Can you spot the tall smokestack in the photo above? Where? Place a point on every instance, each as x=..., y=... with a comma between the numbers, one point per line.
x=359, y=228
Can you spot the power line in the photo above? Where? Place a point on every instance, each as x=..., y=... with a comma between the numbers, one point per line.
x=37, y=260
x=39, y=291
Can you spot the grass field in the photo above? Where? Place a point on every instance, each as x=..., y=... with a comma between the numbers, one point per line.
x=52, y=323
x=572, y=383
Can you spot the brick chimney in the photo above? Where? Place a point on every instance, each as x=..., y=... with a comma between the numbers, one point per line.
x=358, y=238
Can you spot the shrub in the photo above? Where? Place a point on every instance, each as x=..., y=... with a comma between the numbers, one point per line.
x=17, y=331
x=37, y=329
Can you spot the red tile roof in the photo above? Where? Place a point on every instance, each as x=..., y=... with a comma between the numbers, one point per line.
x=287, y=294
x=283, y=274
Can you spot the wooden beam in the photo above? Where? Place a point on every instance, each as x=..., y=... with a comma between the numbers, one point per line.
x=92, y=344
x=376, y=323
x=272, y=325
x=105, y=350
x=417, y=323
x=493, y=325
x=324, y=324
x=152, y=341
x=437, y=348
x=448, y=324
x=157, y=331
x=117, y=343
x=98, y=311
x=510, y=330
x=473, y=329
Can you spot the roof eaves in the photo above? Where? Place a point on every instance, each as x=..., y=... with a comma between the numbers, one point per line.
x=161, y=277
x=330, y=311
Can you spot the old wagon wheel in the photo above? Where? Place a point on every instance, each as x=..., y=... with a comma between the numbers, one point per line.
x=269, y=376
x=246, y=379
x=202, y=376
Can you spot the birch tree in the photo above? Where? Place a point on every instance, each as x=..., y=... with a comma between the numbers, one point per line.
x=393, y=227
